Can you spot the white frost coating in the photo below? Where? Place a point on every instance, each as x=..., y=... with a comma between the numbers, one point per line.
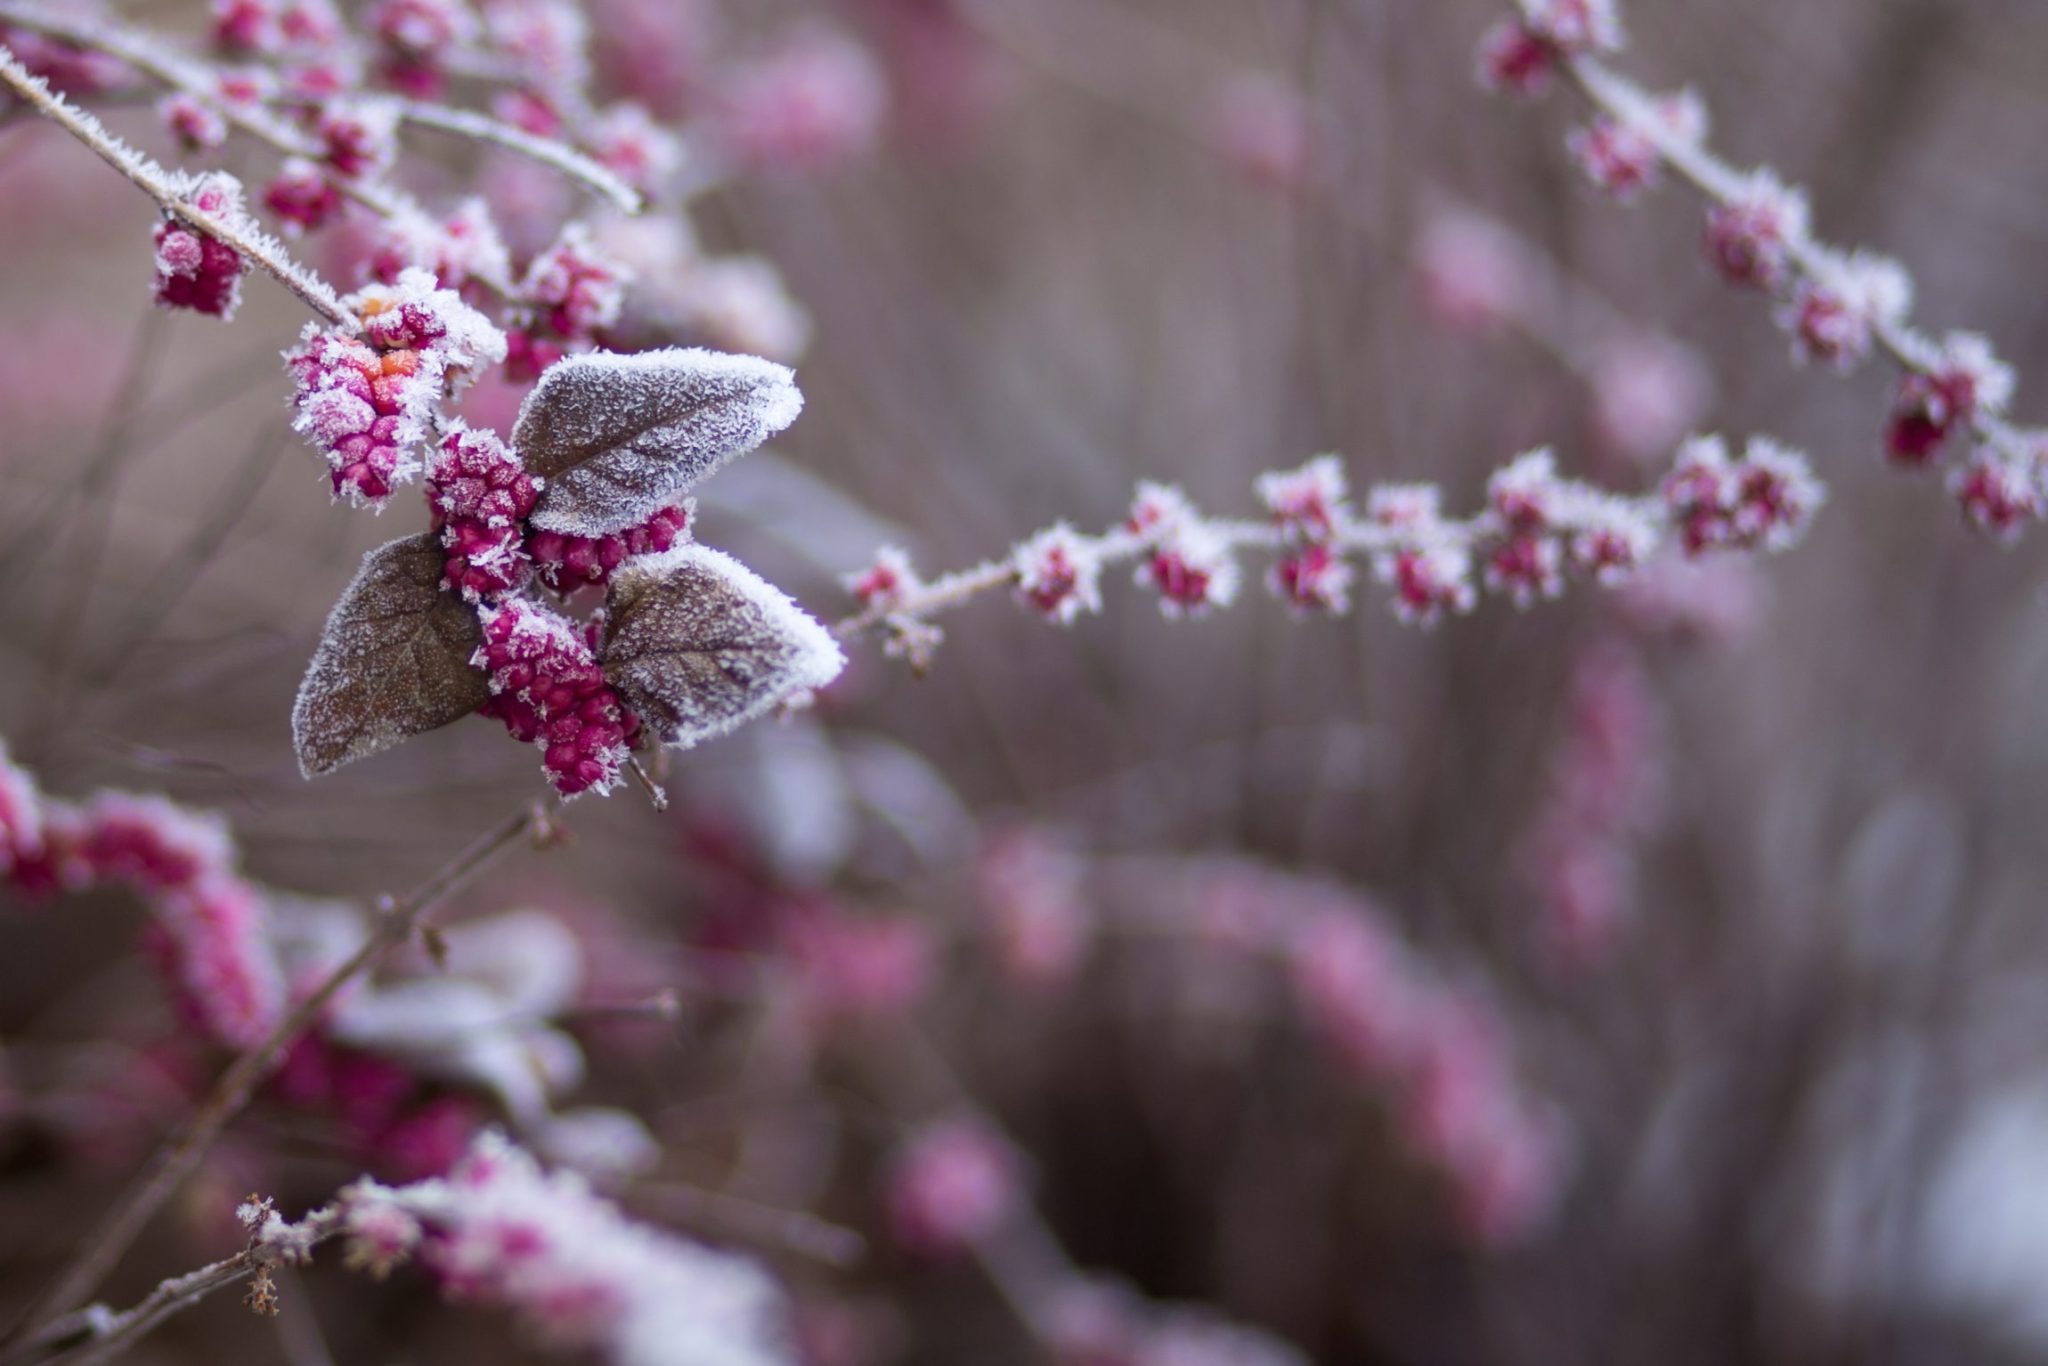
x=585, y=1274
x=621, y=437
x=700, y=644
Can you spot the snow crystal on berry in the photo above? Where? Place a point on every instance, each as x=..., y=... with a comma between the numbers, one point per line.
x=360, y=136
x=1767, y=499
x=1306, y=503
x=1428, y=579
x=416, y=313
x=364, y=410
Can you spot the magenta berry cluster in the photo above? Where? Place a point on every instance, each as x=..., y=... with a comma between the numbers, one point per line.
x=209, y=926
x=547, y=688
x=194, y=269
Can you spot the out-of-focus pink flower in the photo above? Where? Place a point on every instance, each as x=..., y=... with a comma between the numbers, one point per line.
x=812, y=101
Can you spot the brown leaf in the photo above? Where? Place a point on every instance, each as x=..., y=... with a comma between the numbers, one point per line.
x=618, y=438
x=698, y=644
x=393, y=663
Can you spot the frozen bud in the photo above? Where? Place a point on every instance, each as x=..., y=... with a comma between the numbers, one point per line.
x=1261, y=128
x=302, y=197
x=1404, y=506
x=1835, y=312
x=951, y=1187
x=360, y=136
x=1313, y=579
x=1475, y=275
x=1623, y=158
x=567, y=563
x=574, y=287
x=1307, y=503
x=1058, y=574
x=1527, y=494
x=417, y=37
x=197, y=125
x=246, y=26
x=1945, y=392
x=1612, y=538
x=1776, y=496
x=1429, y=578
x=1750, y=236
x=814, y=101
x=1526, y=567
x=886, y=582
x=628, y=141
x=1158, y=509
x=378, y=1236
x=310, y=24
x=1192, y=569
x=1997, y=494
x=1516, y=60
x=194, y=269
x=1700, y=491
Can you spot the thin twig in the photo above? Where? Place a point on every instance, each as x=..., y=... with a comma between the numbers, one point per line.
x=548, y=151
x=156, y=182
x=176, y=1158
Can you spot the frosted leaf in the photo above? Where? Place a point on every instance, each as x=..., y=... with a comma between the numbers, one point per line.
x=619, y=438
x=392, y=663
x=699, y=644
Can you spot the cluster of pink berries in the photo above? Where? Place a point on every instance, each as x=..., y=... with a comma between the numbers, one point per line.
x=569, y=293
x=1537, y=526
x=547, y=687
x=1838, y=306
x=208, y=927
x=194, y=269
x=367, y=402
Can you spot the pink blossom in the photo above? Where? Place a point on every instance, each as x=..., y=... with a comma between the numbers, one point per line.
x=1475, y=275
x=1306, y=503
x=1997, y=494
x=1837, y=309
x=886, y=581
x=1313, y=579
x=1261, y=128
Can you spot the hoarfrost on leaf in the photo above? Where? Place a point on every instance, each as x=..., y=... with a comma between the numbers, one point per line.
x=392, y=663
x=699, y=644
x=619, y=438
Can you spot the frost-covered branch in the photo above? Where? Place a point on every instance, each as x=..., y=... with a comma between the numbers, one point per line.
x=175, y=1159
x=221, y=221
x=1536, y=528
x=1838, y=305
